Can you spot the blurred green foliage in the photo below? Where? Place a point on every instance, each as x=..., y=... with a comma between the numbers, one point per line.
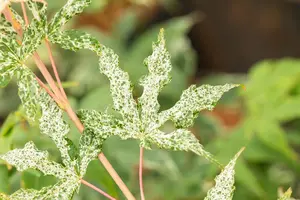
x=269, y=125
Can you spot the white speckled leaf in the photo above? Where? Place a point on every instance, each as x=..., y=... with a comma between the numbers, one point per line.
x=101, y=123
x=159, y=67
x=33, y=98
x=6, y=73
x=33, y=36
x=286, y=195
x=28, y=90
x=8, y=43
x=192, y=101
x=179, y=140
x=71, y=8
x=63, y=190
x=31, y=158
x=38, y=9
x=120, y=88
x=75, y=40
x=53, y=125
x=6, y=29
x=90, y=146
x=224, y=187
x=98, y=127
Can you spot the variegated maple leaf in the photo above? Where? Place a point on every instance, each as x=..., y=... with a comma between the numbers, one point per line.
x=143, y=120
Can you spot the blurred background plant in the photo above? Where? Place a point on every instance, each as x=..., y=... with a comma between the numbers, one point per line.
x=209, y=42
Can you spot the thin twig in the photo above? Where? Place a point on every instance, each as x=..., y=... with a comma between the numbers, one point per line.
x=48, y=77
x=97, y=189
x=55, y=68
x=24, y=13
x=141, y=173
x=47, y=89
x=116, y=177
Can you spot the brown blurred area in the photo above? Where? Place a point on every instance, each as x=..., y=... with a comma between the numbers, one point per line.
x=233, y=35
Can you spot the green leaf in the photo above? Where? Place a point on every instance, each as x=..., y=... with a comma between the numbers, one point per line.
x=75, y=40
x=70, y=9
x=224, y=182
x=275, y=138
x=159, y=66
x=4, y=181
x=191, y=102
x=286, y=110
x=8, y=125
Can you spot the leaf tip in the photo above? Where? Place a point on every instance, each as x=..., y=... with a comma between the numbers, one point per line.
x=161, y=36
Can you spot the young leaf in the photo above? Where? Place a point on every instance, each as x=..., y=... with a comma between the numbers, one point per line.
x=224, y=182
x=70, y=9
